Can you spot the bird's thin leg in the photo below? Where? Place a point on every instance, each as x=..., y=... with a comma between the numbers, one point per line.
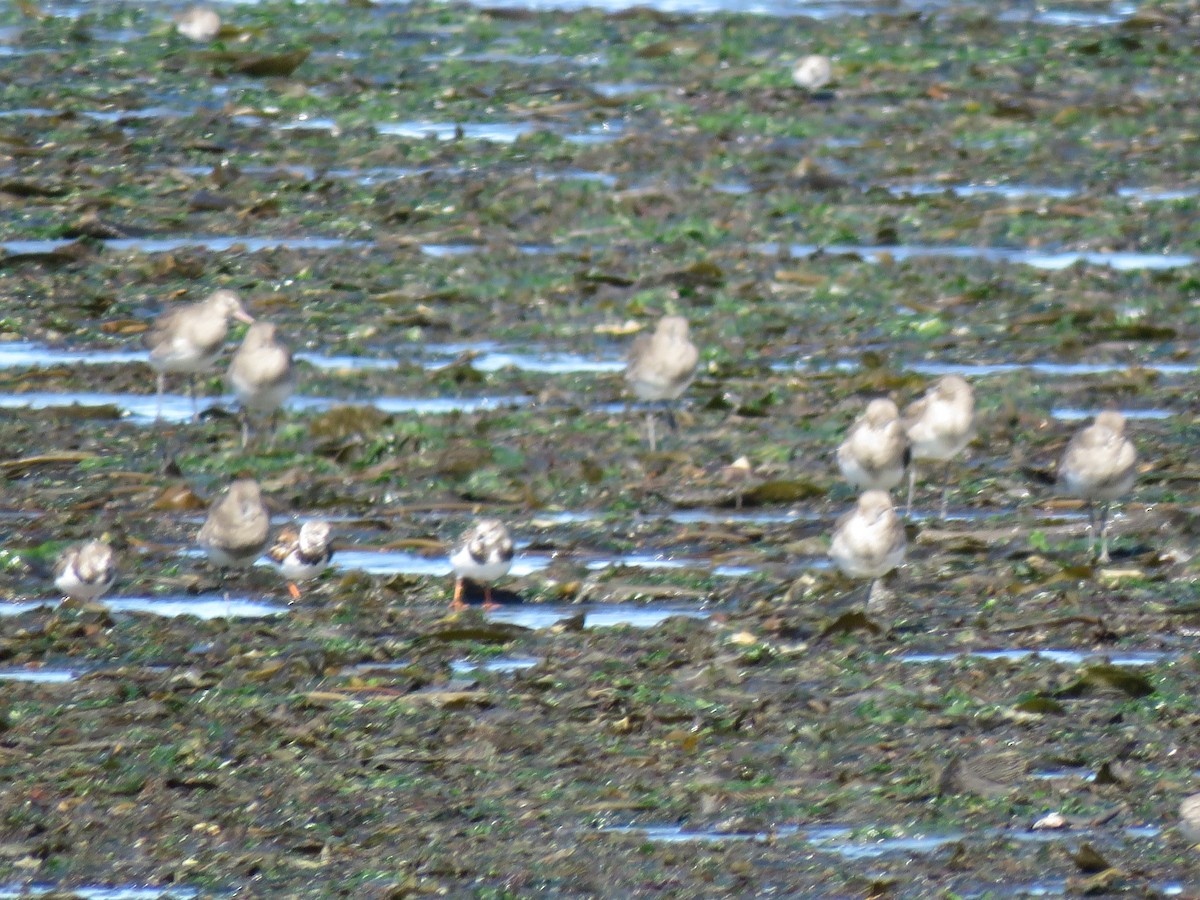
x=488, y=602
x=946, y=491
x=669, y=409
x=1104, y=557
x=192, y=395
x=457, y=602
x=293, y=590
x=650, y=430
x=245, y=428
x=912, y=481
x=162, y=386
x=1091, y=529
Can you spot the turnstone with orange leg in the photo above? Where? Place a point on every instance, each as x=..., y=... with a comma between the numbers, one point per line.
x=302, y=554
x=484, y=556
x=86, y=571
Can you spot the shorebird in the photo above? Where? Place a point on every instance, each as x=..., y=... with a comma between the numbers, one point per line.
x=236, y=530
x=812, y=72
x=302, y=554
x=660, y=366
x=261, y=374
x=1099, y=464
x=198, y=23
x=189, y=339
x=876, y=451
x=869, y=540
x=940, y=425
x=86, y=571
x=485, y=555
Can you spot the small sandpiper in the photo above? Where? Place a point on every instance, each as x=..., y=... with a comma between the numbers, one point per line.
x=189, y=339
x=302, y=554
x=869, y=540
x=1100, y=464
x=238, y=525
x=484, y=556
x=198, y=23
x=812, y=72
x=876, y=451
x=261, y=374
x=86, y=571
x=660, y=366
x=940, y=425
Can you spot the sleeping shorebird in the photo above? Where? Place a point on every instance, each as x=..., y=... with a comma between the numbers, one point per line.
x=198, y=23
x=1099, y=464
x=869, y=540
x=940, y=425
x=812, y=72
x=236, y=530
x=876, y=451
x=660, y=366
x=302, y=554
x=86, y=571
x=485, y=555
x=261, y=374
x=189, y=339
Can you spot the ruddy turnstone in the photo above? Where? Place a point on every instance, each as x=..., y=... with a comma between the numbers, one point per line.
x=198, y=23
x=876, y=451
x=261, y=374
x=236, y=530
x=812, y=72
x=302, y=554
x=485, y=555
x=189, y=339
x=1100, y=464
x=939, y=425
x=869, y=540
x=660, y=366
x=86, y=571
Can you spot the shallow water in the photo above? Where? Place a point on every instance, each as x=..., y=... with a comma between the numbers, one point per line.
x=1072, y=414
x=202, y=606
x=1064, y=657
x=98, y=892
x=538, y=616
x=400, y=562
x=1039, y=259
x=500, y=664
x=141, y=408
x=39, y=675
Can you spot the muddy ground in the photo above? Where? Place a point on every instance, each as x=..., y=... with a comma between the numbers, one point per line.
x=804, y=745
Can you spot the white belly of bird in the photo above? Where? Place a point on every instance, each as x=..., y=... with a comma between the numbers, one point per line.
x=262, y=399
x=294, y=568
x=883, y=479
x=223, y=559
x=182, y=356
x=489, y=570
x=71, y=585
x=940, y=437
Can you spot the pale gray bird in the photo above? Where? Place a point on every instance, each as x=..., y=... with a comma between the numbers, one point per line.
x=660, y=366
x=1100, y=464
x=261, y=374
x=869, y=540
x=189, y=339
x=238, y=525
x=876, y=450
x=939, y=426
